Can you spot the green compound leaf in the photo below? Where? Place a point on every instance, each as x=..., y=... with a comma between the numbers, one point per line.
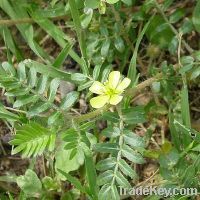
x=4, y=114
x=32, y=140
x=35, y=86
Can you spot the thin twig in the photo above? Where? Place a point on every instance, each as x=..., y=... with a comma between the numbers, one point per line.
x=44, y=165
x=147, y=180
x=15, y=110
x=2, y=148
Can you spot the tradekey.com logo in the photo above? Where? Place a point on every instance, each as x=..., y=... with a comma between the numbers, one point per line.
x=165, y=192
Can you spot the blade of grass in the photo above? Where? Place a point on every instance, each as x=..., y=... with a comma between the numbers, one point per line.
x=185, y=133
x=174, y=133
x=9, y=57
x=91, y=175
x=58, y=35
x=73, y=180
x=54, y=12
x=15, y=11
x=49, y=70
x=10, y=22
x=185, y=107
x=77, y=23
x=132, y=70
x=62, y=56
x=10, y=196
x=10, y=43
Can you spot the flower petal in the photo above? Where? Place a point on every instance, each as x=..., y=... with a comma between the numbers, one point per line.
x=100, y=101
x=124, y=84
x=97, y=88
x=115, y=99
x=114, y=78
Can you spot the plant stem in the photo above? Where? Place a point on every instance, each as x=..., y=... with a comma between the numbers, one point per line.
x=90, y=115
x=2, y=148
x=15, y=110
x=121, y=142
x=10, y=22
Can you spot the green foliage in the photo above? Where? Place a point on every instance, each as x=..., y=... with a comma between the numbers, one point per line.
x=32, y=139
x=10, y=43
x=30, y=89
x=50, y=184
x=62, y=56
x=159, y=32
x=91, y=175
x=196, y=16
x=64, y=156
x=30, y=184
x=125, y=146
x=176, y=171
x=190, y=66
x=15, y=12
x=92, y=4
x=73, y=180
x=86, y=153
x=4, y=114
x=77, y=23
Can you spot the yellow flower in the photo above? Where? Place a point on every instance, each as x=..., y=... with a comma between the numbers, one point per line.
x=109, y=92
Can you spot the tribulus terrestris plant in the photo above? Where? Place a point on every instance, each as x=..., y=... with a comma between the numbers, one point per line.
x=99, y=96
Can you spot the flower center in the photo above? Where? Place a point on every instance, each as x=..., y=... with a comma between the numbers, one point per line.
x=110, y=91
